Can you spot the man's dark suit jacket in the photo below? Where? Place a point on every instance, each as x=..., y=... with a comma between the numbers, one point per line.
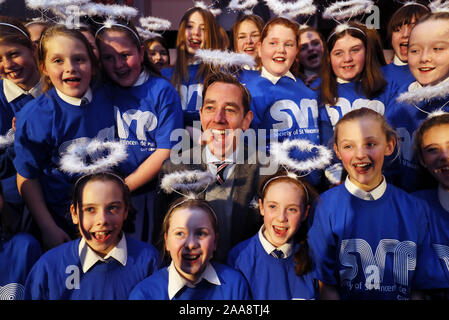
x=246, y=221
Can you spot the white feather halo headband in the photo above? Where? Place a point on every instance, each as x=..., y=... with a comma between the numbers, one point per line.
x=73, y=160
x=187, y=181
x=439, y=6
x=61, y=9
x=202, y=5
x=426, y=93
x=279, y=152
x=246, y=6
x=437, y=113
x=291, y=10
x=225, y=59
x=345, y=10
x=7, y=139
x=155, y=23
x=147, y=34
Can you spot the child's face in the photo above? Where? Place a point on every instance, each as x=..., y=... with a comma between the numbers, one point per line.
x=399, y=40
x=278, y=50
x=18, y=65
x=102, y=214
x=158, y=55
x=348, y=57
x=428, y=54
x=435, y=153
x=362, y=146
x=248, y=36
x=283, y=211
x=194, y=33
x=310, y=50
x=190, y=240
x=120, y=57
x=67, y=64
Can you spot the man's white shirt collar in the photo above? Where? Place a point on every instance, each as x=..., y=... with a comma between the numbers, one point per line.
x=176, y=282
x=398, y=62
x=364, y=195
x=89, y=257
x=274, y=79
x=75, y=101
x=13, y=91
x=286, y=248
x=212, y=159
x=443, y=196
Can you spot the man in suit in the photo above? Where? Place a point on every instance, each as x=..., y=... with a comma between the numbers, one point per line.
x=224, y=116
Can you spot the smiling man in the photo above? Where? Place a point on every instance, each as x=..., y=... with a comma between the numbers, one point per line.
x=224, y=116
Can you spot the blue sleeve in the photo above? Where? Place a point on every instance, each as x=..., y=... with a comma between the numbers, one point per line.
x=323, y=245
x=35, y=285
x=429, y=272
x=170, y=117
x=32, y=140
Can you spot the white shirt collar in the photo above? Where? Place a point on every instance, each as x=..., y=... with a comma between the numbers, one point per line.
x=89, y=257
x=342, y=81
x=364, y=195
x=176, y=282
x=416, y=85
x=143, y=77
x=443, y=196
x=13, y=91
x=286, y=248
x=212, y=159
x=398, y=62
x=75, y=101
x=274, y=79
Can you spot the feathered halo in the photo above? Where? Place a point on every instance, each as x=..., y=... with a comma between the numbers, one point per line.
x=93, y=156
x=246, y=6
x=427, y=93
x=112, y=13
x=345, y=10
x=437, y=113
x=439, y=6
x=150, y=25
x=297, y=168
x=280, y=154
x=187, y=183
x=291, y=10
x=60, y=10
x=225, y=59
x=202, y=5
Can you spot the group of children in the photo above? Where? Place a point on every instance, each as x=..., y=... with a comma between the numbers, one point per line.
x=360, y=237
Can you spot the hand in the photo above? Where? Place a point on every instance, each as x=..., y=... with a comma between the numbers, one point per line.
x=53, y=237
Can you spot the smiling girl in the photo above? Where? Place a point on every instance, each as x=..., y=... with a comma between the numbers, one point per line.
x=19, y=85
x=68, y=111
x=275, y=261
x=358, y=222
x=398, y=33
x=104, y=264
x=282, y=104
x=190, y=233
x=198, y=29
x=147, y=109
x=246, y=34
x=428, y=59
x=311, y=49
x=351, y=77
x=432, y=148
